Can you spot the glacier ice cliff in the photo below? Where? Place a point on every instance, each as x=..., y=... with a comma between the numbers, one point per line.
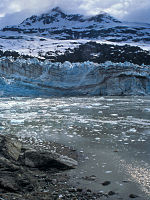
x=33, y=77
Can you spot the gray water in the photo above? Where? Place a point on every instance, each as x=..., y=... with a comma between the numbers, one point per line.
x=111, y=133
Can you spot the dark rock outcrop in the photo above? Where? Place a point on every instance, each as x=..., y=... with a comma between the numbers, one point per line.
x=18, y=161
x=10, y=147
x=99, y=53
x=35, y=173
x=46, y=159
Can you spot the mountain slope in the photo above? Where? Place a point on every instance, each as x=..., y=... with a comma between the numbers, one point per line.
x=55, y=35
x=58, y=25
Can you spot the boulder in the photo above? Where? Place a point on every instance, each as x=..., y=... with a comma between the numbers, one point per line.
x=13, y=154
x=21, y=165
x=10, y=147
x=7, y=165
x=47, y=159
x=8, y=184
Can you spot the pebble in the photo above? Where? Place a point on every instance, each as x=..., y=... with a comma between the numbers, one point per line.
x=106, y=183
x=116, y=151
x=55, y=193
x=30, y=188
x=72, y=190
x=125, y=181
x=79, y=190
x=90, y=178
x=88, y=190
x=111, y=193
x=54, y=181
x=133, y=196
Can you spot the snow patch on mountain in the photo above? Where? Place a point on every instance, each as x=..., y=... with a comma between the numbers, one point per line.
x=38, y=46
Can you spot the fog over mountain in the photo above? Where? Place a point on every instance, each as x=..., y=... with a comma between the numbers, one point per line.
x=14, y=11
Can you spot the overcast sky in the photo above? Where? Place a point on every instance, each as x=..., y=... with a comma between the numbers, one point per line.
x=15, y=11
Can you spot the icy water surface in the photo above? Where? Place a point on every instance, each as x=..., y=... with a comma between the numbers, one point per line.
x=112, y=134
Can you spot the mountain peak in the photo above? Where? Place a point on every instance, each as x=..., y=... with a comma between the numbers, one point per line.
x=57, y=9
x=103, y=17
x=56, y=22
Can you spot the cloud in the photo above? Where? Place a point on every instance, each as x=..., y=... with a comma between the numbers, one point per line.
x=14, y=11
x=139, y=12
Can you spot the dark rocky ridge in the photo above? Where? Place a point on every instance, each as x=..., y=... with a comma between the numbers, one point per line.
x=100, y=53
x=94, y=52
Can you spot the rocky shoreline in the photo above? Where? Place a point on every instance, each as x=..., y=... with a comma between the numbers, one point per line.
x=38, y=173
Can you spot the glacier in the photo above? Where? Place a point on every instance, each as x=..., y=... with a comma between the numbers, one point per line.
x=33, y=77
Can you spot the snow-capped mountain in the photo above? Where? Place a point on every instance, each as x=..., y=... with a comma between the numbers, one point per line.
x=57, y=33
x=116, y=53
x=58, y=25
